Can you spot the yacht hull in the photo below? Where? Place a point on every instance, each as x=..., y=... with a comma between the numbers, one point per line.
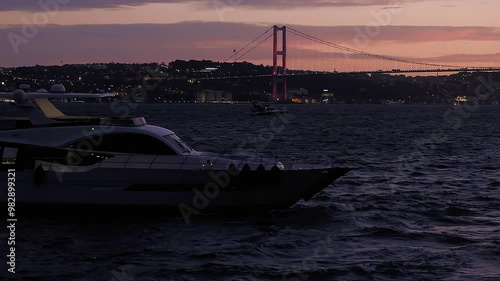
x=192, y=190
x=269, y=113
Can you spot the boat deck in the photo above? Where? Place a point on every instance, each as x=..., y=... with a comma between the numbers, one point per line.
x=12, y=123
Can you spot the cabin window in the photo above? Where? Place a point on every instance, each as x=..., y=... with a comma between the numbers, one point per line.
x=179, y=143
x=124, y=143
x=9, y=155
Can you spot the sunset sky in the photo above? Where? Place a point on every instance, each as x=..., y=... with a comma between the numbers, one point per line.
x=458, y=32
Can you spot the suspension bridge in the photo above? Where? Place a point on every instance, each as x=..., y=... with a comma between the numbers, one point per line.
x=326, y=58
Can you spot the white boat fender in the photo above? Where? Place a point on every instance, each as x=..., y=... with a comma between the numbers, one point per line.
x=232, y=172
x=39, y=177
x=246, y=168
x=245, y=177
x=261, y=175
x=275, y=175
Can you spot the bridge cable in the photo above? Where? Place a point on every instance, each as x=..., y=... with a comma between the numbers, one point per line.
x=246, y=46
x=270, y=35
x=347, y=49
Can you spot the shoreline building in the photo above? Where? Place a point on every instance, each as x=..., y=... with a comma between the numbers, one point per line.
x=211, y=96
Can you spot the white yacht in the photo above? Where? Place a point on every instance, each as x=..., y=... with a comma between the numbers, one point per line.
x=91, y=161
x=258, y=110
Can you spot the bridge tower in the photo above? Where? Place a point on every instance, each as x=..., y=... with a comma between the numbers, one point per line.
x=279, y=78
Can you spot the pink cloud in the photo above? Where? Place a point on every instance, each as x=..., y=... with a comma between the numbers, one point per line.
x=214, y=41
x=30, y=5
x=407, y=34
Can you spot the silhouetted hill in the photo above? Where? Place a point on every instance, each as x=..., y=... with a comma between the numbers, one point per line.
x=180, y=81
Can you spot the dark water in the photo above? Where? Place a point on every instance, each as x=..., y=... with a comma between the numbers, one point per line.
x=423, y=203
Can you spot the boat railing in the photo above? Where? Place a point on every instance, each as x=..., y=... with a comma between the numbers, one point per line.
x=190, y=162
x=180, y=162
x=299, y=166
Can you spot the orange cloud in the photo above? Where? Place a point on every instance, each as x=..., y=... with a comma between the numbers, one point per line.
x=216, y=41
x=29, y=5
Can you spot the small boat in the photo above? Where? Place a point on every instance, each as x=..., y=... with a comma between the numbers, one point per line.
x=261, y=109
x=113, y=163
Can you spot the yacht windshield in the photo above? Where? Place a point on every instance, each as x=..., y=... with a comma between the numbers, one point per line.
x=180, y=144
